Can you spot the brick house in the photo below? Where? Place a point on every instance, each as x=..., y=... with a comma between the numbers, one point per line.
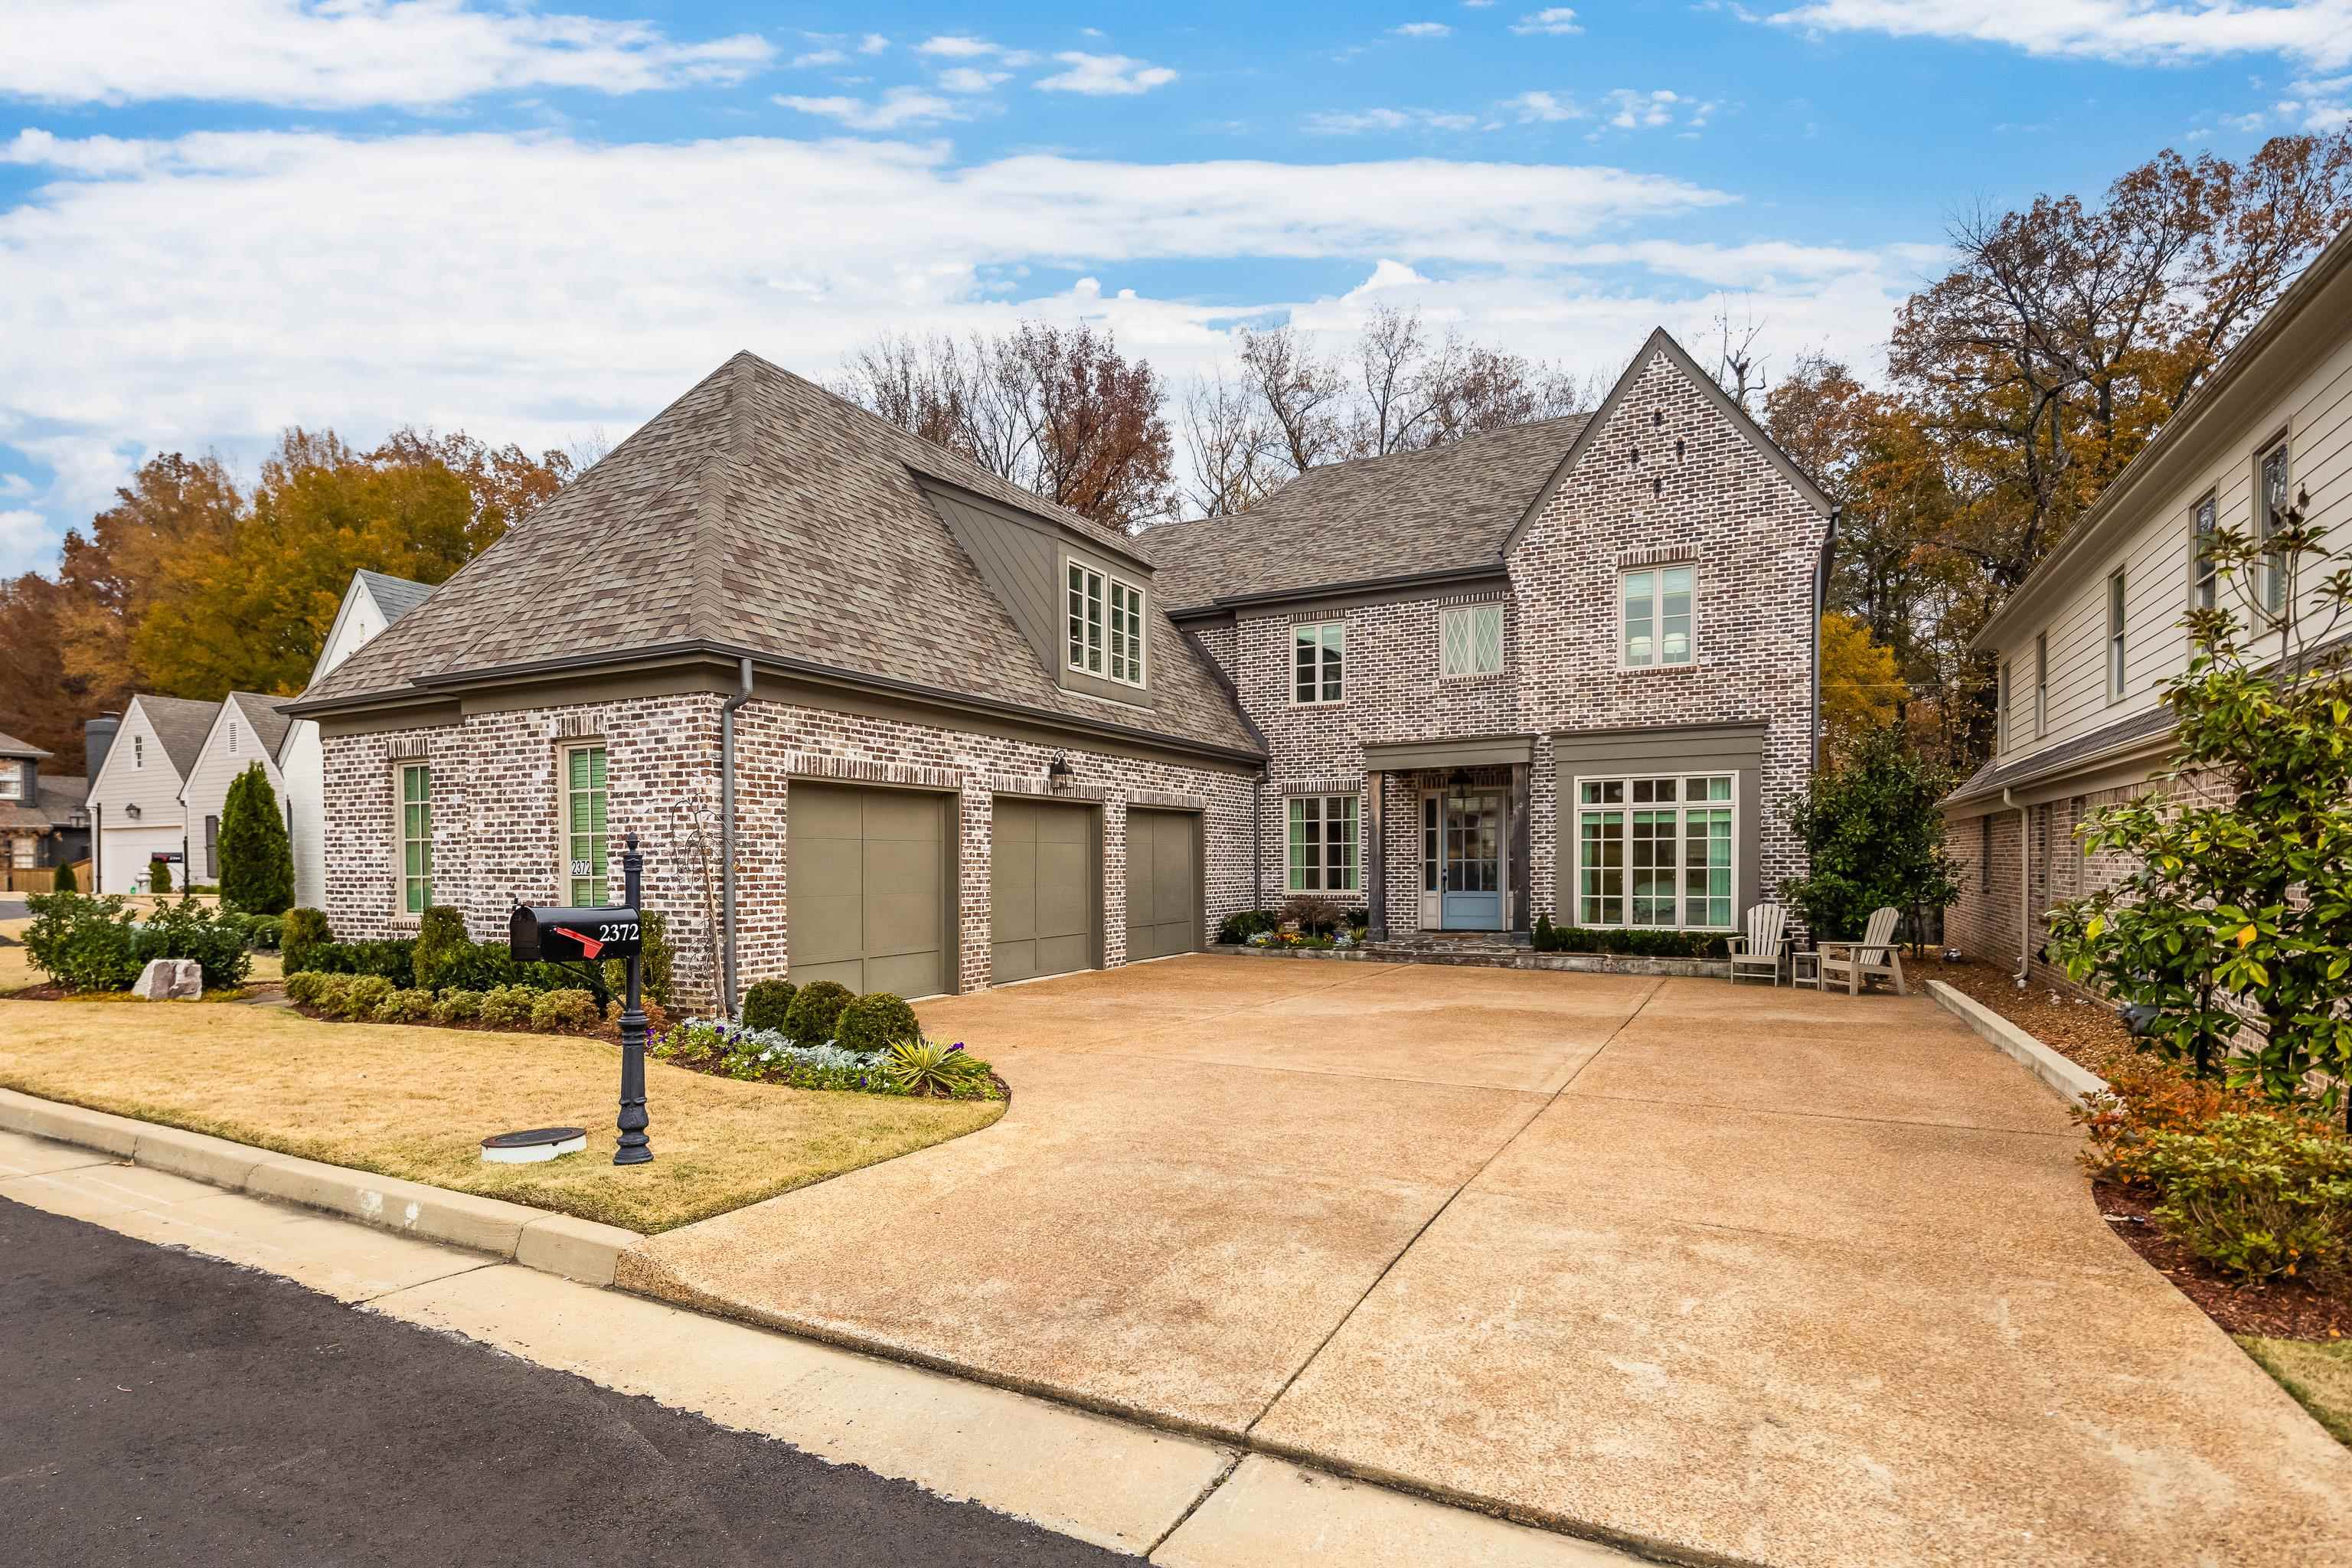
x=2084, y=645
x=973, y=737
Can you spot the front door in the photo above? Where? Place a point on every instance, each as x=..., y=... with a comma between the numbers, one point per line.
x=1470, y=870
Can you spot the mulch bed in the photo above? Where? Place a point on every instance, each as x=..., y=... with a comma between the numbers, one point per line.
x=2316, y=1308
x=2087, y=1033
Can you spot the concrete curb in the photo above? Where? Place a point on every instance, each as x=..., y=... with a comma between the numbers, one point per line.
x=557, y=1244
x=2071, y=1081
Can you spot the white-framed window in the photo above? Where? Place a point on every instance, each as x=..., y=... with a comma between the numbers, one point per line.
x=1323, y=843
x=2040, y=684
x=2203, y=576
x=583, y=825
x=1654, y=621
x=1470, y=641
x=2271, y=507
x=23, y=851
x=415, y=837
x=138, y=750
x=1105, y=625
x=1656, y=852
x=12, y=779
x=2117, y=590
x=1319, y=654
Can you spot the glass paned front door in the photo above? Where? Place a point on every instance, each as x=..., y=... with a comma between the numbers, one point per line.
x=1472, y=873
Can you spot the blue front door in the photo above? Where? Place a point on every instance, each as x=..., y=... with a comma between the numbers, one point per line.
x=1470, y=872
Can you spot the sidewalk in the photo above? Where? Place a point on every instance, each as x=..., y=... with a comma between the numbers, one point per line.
x=1180, y=1501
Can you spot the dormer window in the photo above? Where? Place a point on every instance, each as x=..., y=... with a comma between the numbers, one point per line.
x=12, y=779
x=1105, y=625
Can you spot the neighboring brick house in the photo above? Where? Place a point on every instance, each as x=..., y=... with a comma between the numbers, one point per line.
x=976, y=737
x=44, y=817
x=2084, y=647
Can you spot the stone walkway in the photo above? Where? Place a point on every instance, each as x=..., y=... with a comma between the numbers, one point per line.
x=1769, y=1276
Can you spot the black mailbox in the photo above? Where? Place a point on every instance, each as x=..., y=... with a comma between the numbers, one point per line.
x=565, y=936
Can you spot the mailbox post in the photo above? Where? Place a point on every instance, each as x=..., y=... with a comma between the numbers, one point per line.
x=636, y=1149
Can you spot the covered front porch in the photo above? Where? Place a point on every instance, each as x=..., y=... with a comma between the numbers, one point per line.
x=1448, y=848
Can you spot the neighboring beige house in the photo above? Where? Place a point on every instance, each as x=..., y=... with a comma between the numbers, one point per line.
x=2086, y=645
x=373, y=602
x=134, y=801
x=247, y=730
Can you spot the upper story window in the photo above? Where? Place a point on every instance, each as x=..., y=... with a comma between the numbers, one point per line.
x=1656, y=622
x=138, y=750
x=1105, y=625
x=2041, y=684
x=2118, y=589
x=232, y=734
x=2271, y=506
x=1471, y=641
x=1319, y=651
x=2204, y=578
x=12, y=779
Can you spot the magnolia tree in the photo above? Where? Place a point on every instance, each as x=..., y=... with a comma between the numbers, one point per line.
x=2239, y=901
x=1874, y=836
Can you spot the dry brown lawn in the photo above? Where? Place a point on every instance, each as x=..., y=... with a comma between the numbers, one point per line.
x=416, y=1102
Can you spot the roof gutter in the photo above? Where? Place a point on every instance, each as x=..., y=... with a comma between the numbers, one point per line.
x=1227, y=603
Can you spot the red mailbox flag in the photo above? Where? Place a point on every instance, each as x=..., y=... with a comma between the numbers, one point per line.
x=589, y=946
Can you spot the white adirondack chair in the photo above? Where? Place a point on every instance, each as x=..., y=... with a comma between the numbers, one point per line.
x=1760, y=951
x=1874, y=956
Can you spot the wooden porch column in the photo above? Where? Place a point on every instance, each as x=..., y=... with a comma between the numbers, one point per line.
x=1522, y=877
x=1376, y=860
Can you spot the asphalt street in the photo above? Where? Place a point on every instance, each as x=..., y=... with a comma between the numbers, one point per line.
x=161, y=1407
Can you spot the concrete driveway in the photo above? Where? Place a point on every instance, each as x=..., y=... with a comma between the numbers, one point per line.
x=1769, y=1276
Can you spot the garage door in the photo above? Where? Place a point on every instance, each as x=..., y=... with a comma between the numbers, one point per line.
x=868, y=884
x=126, y=852
x=1163, y=883
x=1041, y=890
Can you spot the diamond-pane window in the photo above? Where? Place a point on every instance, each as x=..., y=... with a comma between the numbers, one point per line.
x=1471, y=641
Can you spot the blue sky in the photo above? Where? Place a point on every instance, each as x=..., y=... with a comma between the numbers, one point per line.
x=542, y=221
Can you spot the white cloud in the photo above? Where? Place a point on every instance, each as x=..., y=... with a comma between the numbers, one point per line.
x=872, y=44
x=1101, y=76
x=960, y=47
x=1544, y=108
x=1422, y=30
x=557, y=285
x=2165, y=31
x=1557, y=20
x=819, y=57
x=965, y=78
x=1351, y=123
x=27, y=542
x=343, y=53
x=896, y=107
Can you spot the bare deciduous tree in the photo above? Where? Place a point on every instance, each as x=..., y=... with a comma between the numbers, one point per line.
x=1236, y=451
x=1300, y=392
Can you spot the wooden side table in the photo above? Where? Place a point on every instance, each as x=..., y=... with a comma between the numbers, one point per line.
x=1805, y=969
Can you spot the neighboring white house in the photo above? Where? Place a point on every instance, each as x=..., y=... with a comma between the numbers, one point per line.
x=134, y=801
x=371, y=603
x=248, y=729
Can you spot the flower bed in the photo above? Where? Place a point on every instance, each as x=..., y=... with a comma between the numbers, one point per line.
x=918, y=1067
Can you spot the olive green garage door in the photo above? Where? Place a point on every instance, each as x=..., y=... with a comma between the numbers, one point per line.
x=869, y=888
x=1163, y=883
x=1044, y=916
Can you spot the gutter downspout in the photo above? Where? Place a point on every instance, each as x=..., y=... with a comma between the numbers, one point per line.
x=727, y=831
x=1820, y=606
x=96, y=841
x=2024, y=886
x=1257, y=842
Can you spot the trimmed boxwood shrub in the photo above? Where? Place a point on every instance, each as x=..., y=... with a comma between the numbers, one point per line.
x=304, y=986
x=815, y=1012
x=405, y=1007
x=565, y=1012
x=394, y=959
x=354, y=996
x=457, y=1007
x=303, y=930
x=767, y=1003
x=1242, y=924
x=875, y=1021
x=509, y=1006
x=159, y=876
x=441, y=932
x=1626, y=941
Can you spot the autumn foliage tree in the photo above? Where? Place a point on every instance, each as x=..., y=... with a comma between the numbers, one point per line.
x=1861, y=687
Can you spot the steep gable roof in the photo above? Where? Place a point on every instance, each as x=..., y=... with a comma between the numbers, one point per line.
x=761, y=513
x=1407, y=514
x=261, y=713
x=12, y=747
x=395, y=597
x=180, y=724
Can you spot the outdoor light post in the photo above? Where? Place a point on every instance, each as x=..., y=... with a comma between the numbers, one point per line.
x=636, y=1148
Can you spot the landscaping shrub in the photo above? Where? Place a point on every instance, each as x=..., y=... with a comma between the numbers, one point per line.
x=2259, y=1195
x=1625, y=941
x=566, y=1012
x=457, y=1007
x=394, y=959
x=264, y=933
x=486, y=965
x=763, y=1056
x=159, y=876
x=64, y=882
x=190, y=930
x=303, y=930
x=656, y=961
x=2143, y=1098
x=257, y=863
x=766, y=1003
x=1316, y=916
x=876, y=1021
x=349, y=997
x=439, y=934
x=509, y=1006
x=815, y=1012
x=1242, y=924
x=411, y=1006
x=82, y=944
x=931, y=1070
x=304, y=986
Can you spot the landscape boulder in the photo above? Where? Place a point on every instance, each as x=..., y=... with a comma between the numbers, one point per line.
x=169, y=979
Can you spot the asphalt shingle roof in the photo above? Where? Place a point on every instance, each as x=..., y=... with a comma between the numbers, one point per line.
x=760, y=510
x=12, y=747
x=395, y=597
x=56, y=799
x=1995, y=776
x=1410, y=512
x=270, y=726
x=180, y=724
